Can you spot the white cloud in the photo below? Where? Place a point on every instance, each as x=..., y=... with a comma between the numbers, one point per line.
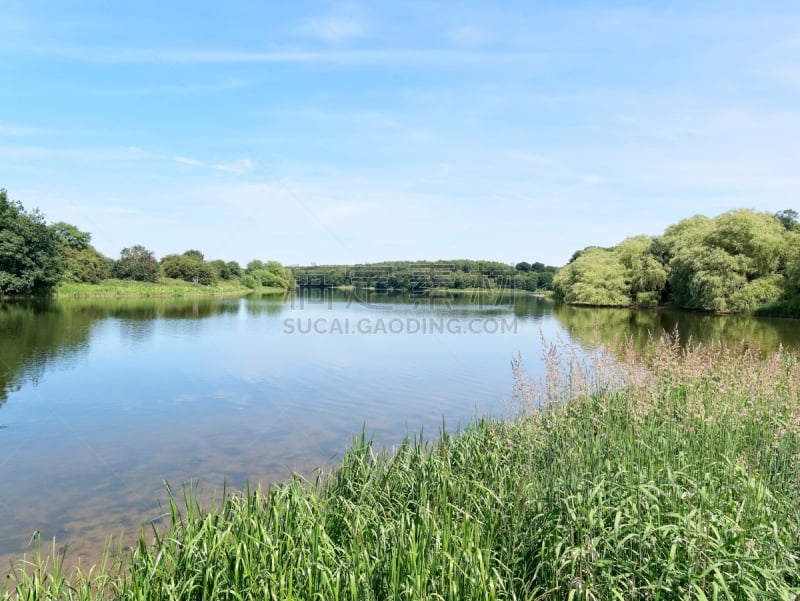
x=17, y=131
x=468, y=35
x=335, y=28
x=239, y=167
x=188, y=161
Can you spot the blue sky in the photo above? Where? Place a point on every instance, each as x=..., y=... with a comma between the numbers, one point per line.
x=347, y=132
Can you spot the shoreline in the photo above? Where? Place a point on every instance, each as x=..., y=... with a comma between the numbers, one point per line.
x=592, y=486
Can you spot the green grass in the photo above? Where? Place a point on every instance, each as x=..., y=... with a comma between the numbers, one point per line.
x=671, y=474
x=163, y=288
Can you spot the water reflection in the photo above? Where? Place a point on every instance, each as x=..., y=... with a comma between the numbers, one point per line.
x=106, y=398
x=35, y=333
x=591, y=325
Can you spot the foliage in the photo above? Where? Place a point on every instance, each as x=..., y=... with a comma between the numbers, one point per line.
x=28, y=251
x=249, y=281
x=70, y=236
x=669, y=473
x=626, y=275
x=189, y=267
x=81, y=262
x=735, y=262
x=423, y=275
x=136, y=263
x=234, y=268
x=88, y=266
x=112, y=288
x=270, y=274
x=729, y=263
x=789, y=219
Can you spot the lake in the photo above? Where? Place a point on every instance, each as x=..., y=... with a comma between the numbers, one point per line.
x=102, y=400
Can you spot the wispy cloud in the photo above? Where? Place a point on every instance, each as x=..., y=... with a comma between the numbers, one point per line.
x=188, y=161
x=173, y=89
x=334, y=28
x=468, y=35
x=238, y=167
x=20, y=131
x=433, y=56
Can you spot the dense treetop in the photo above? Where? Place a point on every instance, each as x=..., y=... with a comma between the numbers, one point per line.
x=35, y=257
x=420, y=275
x=740, y=261
x=28, y=250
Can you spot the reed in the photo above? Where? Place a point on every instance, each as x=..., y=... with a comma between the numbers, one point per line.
x=670, y=473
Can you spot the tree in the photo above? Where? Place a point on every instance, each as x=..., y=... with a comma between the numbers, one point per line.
x=71, y=237
x=136, y=263
x=80, y=260
x=523, y=266
x=645, y=275
x=28, y=250
x=194, y=254
x=234, y=268
x=728, y=263
x=789, y=219
x=254, y=265
x=595, y=277
x=189, y=268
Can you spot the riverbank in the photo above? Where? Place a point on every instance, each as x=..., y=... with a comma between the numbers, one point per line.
x=678, y=477
x=164, y=287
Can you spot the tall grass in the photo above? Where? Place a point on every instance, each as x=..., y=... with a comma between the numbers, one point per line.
x=165, y=287
x=666, y=474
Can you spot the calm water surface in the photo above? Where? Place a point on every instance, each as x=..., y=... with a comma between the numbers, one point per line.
x=101, y=401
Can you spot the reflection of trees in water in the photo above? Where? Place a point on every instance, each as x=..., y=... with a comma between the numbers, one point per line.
x=34, y=333
x=589, y=326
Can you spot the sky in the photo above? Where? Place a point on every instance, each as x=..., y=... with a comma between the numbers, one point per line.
x=350, y=132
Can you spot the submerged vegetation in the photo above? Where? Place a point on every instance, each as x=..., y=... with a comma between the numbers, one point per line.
x=669, y=472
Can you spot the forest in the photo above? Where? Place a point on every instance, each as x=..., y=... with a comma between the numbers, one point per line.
x=742, y=261
x=36, y=257
x=421, y=275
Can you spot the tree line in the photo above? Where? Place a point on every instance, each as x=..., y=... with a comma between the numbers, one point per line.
x=422, y=275
x=35, y=257
x=742, y=261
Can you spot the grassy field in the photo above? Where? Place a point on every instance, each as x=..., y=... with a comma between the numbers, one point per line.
x=670, y=473
x=163, y=288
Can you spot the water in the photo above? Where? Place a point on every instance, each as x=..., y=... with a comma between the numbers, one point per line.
x=101, y=401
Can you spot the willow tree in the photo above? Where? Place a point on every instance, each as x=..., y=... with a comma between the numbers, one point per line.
x=595, y=277
x=729, y=263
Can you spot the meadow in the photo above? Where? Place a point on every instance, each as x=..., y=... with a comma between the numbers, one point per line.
x=667, y=472
x=165, y=287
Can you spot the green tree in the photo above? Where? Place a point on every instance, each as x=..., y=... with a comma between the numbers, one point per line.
x=80, y=260
x=188, y=267
x=789, y=219
x=254, y=265
x=194, y=254
x=234, y=268
x=136, y=263
x=594, y=277
x=729, y=263
x=29, y=262
x=71, y=237
x=645, y=275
